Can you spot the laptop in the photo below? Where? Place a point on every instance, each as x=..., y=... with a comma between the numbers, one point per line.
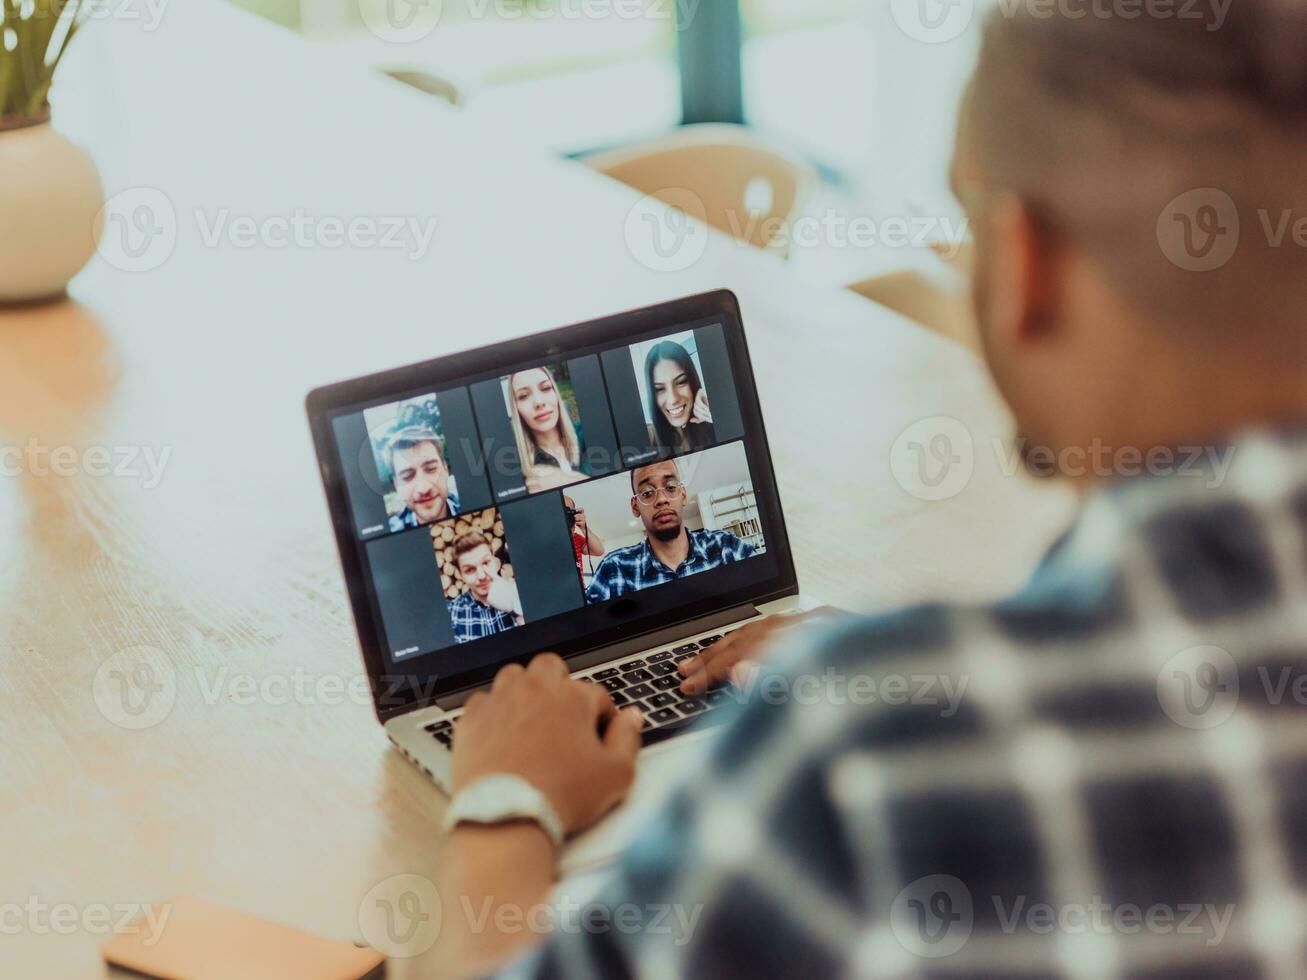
x=604, y=491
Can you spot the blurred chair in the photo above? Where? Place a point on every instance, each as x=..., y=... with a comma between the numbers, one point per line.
x=749, y=190
x=425, y=81
x=940, y=301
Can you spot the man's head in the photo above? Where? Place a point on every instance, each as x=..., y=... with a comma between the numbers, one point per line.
x=476, y=562
x=417, y=465
x=658, y=498
x=1102, y=158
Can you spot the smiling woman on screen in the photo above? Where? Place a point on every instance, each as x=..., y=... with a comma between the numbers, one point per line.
x=678, y=403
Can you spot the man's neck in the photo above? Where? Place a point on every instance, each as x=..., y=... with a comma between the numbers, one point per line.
x=671, y=553
x=1156, y=386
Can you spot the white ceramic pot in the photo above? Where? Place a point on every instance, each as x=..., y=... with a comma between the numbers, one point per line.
x=50, y=199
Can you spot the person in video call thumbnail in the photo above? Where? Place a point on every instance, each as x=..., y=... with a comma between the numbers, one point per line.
x=669, y=550
x=490, y=603
x=547, y=443
x=585, y=542
x=416, y=461
x=678, y=402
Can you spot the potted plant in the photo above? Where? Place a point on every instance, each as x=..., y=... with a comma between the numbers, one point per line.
x=50, y=194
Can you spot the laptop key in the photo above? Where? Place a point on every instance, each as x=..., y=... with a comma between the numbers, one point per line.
x=663, y=715
x=626, y=668
x=620, y=699
x=708, y=641
x=717, y=695
x=614, y=683
x=603, y=675
x=659, y=657
x=686, y=648
x=639, y=691
x=666, y=683
x=637, y=675
x=444, y=738
x=691, y=706
x=662, y=700
x=662, y=669
x=438, y=726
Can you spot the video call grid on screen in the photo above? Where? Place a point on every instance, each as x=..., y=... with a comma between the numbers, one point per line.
x=427, y=471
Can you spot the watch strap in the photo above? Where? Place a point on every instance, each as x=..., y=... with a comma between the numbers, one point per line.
x=500, y=798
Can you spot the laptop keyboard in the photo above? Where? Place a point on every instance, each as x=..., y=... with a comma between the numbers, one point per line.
x=650, y=682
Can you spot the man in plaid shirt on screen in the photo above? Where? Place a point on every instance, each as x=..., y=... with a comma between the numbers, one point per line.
x=670, y=551
x=1104, y=776
x=490, y=603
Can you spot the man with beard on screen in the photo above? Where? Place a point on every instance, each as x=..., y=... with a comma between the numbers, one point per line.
x=669, y=550
x=416, y=461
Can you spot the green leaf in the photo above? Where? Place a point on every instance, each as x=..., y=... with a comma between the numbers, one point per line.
x=31, y=48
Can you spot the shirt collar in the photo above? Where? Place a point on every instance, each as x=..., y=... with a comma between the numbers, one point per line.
x=696, y=552
x=1258, y=468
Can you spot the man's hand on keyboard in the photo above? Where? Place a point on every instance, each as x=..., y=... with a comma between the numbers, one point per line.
x=734, y=656
x=540, y=724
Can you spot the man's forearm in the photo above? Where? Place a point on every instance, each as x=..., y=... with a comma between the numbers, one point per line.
x=491, y=879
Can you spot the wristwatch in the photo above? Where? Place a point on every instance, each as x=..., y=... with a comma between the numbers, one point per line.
x=500, y=798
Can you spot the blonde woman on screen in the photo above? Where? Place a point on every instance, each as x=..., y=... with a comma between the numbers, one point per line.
x=547, y=443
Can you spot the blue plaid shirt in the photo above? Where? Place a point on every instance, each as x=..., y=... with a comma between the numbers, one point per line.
x=634, y=567
x=406, y=517
x=472, y=620
x=1104, y=776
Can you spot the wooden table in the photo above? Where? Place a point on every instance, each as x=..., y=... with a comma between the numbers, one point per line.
x=263, y=786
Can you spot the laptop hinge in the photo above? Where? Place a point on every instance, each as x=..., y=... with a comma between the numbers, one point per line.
x=624, y=648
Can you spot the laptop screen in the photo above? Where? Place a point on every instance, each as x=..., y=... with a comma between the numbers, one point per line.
x=553, y=494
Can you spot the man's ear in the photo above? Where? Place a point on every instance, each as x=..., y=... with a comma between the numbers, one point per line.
x=1020, y=281
x=635, y=510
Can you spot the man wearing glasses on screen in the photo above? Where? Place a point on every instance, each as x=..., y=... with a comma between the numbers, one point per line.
x=669, y=550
